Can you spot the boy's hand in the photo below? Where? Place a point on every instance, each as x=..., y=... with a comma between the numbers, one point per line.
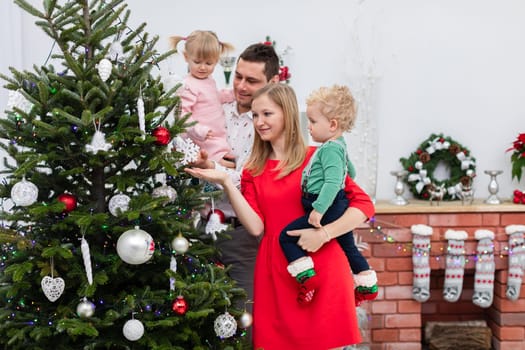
x=315, y=218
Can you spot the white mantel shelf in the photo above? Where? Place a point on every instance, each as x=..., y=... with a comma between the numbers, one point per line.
x=421, y=206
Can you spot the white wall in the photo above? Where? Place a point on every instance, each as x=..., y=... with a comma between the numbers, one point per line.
x=449, y=66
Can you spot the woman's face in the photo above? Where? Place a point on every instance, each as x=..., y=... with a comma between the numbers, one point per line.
x=268, y=119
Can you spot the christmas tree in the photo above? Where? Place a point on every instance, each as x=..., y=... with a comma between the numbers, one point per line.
x=100, y=249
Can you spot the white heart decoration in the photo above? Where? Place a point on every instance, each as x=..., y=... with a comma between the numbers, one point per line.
x=53, y=287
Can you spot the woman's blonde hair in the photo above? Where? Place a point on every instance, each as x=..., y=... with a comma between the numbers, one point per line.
x=283, y=96
x=202, y=44
x=336, y=102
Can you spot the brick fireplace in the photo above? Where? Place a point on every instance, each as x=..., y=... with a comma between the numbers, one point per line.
x=396, y=320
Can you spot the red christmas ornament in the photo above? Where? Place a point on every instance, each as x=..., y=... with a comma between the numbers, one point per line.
x=283, y=73
x=222, y=217
x=179, y=306
x=69, y=200
x=162, y=135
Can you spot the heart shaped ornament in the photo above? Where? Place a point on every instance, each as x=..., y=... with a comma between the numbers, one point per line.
x=53, y=287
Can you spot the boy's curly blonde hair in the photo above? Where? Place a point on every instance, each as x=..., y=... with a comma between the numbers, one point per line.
x=337, y=103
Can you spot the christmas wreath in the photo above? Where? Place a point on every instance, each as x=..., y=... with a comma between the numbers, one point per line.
x=422, y=163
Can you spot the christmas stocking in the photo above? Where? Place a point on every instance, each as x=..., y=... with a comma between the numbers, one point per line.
x=516, y=260
x=455, y=265
x=485, y=267
x=420, y=260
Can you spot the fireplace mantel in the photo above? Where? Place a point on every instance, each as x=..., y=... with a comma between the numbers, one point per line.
x=421, y=206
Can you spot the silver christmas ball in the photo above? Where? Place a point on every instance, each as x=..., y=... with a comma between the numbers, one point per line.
x=165, y=191
x=180, y=244
x=225, y=325
x=135, y=246
x=245, y=320
x=24, y=193
x=119, y=202
x=85, y=308
x=133, y=330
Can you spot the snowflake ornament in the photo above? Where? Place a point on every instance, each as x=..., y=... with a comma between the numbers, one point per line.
x=188, y=148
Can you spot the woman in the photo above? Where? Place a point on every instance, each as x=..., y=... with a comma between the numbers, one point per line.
x=270, y=198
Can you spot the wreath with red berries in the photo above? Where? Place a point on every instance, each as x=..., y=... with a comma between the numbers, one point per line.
x=436, y=150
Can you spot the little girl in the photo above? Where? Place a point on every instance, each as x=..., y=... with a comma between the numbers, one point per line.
x=200, y=97
x=330, y=111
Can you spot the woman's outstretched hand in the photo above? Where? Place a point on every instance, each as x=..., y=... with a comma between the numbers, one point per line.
x=310, y=239
x=210, y=175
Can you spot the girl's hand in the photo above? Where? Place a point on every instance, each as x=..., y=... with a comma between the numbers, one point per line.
x=310, y=239
x=211, y=175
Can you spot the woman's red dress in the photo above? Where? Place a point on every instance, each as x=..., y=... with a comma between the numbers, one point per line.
x=280, y=322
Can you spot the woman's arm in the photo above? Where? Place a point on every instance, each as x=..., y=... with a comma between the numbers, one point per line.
x=311, y=239
x=245, y=213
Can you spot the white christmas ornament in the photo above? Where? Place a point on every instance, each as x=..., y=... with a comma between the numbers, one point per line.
x=98, y=143
x=104, y=69
x=225, y=325
x=133, y=330
x=17, y=100
x=135, y=246
x=246, y=319
x=214, y=225
x=165, y=191
x=52, y=287
x=86, y=256
x=188, y=148
x=24, y=193
x=180, y=244
x=85, y=308
x=119, y=203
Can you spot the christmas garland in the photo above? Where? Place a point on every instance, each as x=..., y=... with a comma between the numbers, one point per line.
x=422, y=163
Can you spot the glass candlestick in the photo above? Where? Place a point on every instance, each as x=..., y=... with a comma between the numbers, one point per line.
x=399, y=188
x=227, y=63
x=493, y=187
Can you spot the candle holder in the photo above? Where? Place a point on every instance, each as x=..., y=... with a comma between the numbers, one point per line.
x=227, y=63
x=493, y=186
x=399, y=188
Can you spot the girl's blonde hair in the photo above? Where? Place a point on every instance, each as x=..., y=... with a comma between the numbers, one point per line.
x=203, y=45
x=283, y=96
x=336, y=102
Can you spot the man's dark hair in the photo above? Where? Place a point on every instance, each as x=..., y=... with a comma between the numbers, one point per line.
x=265, y=54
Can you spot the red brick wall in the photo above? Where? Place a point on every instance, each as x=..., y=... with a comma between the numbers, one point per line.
x=397, y=321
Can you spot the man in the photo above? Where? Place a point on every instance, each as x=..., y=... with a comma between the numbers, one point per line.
x=257, y=66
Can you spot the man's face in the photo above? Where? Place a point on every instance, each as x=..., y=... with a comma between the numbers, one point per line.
x=249, y=77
